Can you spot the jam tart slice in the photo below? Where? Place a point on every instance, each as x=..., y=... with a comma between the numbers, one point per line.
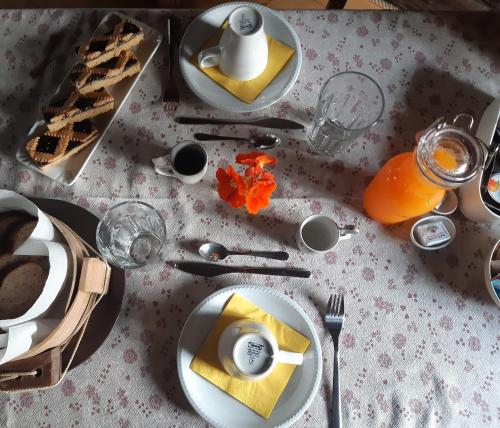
x=87, y=79
x=77, y=107
x=98, y=49
x=53, y=147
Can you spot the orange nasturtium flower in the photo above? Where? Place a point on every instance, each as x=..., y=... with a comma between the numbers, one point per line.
x=253, y=189
x=256, y=158
x=259, y=195
x=231, y=187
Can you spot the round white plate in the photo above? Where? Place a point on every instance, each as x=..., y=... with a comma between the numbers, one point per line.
x=219, y=408
x=205, y=88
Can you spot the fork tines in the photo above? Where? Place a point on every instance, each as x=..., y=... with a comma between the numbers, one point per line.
x=335, y=306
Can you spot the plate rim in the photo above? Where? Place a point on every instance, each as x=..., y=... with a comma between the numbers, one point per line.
x=314, y=339
x=244, y=107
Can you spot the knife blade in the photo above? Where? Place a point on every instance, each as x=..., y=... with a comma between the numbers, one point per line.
x=265, y=122
x=212, y=269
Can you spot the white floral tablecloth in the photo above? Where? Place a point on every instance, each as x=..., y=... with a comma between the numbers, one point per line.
x=421, y=343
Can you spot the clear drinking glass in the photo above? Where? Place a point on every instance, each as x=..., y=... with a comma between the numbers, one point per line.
x=131, y=235
x=349, y=104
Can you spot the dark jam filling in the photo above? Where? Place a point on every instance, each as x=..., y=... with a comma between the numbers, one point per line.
x=72, y=144
x=130, y=63
x=84, y=103
x=129, y=28
x=83, y=127
x=97, y=46
x=47, y=144
x=95, y=78
x=110, y=63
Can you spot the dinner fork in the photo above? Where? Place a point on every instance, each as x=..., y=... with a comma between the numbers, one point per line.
x=334, y=318
x=171, y=94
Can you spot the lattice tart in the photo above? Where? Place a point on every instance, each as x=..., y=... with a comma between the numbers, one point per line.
x=98, y=49
x=53, y=147
x=77, y=107
x=87, y=79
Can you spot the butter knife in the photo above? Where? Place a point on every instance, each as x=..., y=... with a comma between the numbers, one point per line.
x=212, y=269
x=265, y=122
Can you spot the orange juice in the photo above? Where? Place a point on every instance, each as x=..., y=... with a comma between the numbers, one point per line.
x=400, y=191
x=445, y=158
x=414, y=183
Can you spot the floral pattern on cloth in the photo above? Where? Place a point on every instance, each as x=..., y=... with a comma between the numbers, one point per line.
x=420, y=344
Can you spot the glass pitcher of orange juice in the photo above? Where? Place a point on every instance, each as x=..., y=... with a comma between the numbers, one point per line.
x=413, y=183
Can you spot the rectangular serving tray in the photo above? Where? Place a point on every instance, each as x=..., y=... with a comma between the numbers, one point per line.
x=69, y=170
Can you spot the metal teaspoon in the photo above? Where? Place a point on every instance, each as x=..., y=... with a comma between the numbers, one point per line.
x=214, y=252
x=260, y=141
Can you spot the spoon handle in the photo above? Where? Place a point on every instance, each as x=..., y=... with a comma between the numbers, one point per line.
x=276, y=255
x=209, y=137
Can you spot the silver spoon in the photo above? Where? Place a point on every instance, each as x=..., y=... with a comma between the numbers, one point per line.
x=214, y=252
x=259, y=141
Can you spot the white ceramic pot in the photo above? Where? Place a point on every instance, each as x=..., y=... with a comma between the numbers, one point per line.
x=470, y=200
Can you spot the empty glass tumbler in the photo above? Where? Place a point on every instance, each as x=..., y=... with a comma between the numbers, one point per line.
x=131, y=235
x=349, y=104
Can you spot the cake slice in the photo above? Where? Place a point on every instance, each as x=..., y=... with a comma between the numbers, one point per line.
x=53, y=147
x=77, y=107
x=99, y=49
x=87, y=79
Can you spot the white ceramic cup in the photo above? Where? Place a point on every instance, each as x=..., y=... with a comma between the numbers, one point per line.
x=242, y=51
x=249, y=351
x=319, y=234
x=187, y=162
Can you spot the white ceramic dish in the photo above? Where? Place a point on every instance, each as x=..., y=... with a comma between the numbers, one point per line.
x=448, y=205
x=68, y=171
x=487, y=274
x=448, y=224
x=217, y=407
x=470, y=199
x=205, y=88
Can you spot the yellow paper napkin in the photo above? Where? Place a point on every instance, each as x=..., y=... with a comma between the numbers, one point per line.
x=261, y=396
x=247, y=91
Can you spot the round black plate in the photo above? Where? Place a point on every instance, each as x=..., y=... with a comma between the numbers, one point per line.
x=104, y=316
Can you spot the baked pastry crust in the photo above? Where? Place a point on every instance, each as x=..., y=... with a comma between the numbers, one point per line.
x=53, y=147
x=99, y=49
x=77, y=107
x=87, y=79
